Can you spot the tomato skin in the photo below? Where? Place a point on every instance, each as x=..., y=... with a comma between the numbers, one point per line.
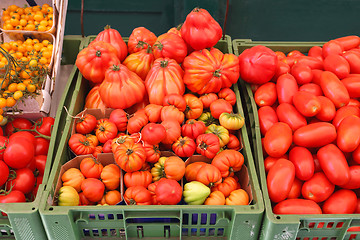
x=295, y=190
x=168, y=192
x=312, y=62
x=318, y=188
x=282, y=68
x=267, y=118
x=327, y=109
x=193, y=128
x=332, y=47
x=85, y=124
x=348, y=42
x=153, y=133
x=354, y=181
x=91, y=168
x=93, y=189
x=334, y=89
x=266, y=95
x=105, y=130
x=302, y=73
x=334, y=164
x=280, y=179
x=41, y=146
x=3, y=143
x=311, y=88
x=19, y=153
x=316, y=52
x=286, y=87
x=297, y=206
x=270, y=161
x=315, y=135
x=343, y=112
x=303, y=161
x=24, y=181
x=219, y=106
x=287, y=113
x=343, y=201
x=170, y=45
x=80, y=145
x=119, y=117
x=356, y=155
x=353, y=58
x=44, y=125
x=352, y=85
x=21, y=123
x=207, y=99
x=348, y=134
x=13, y=196
x=25, y=134
x=306, y=103
x=40, y=163
x=138, y=195
x=4, y=170
x=208, y=145
x=337, y=64
x=278, y=139
x=316, y=76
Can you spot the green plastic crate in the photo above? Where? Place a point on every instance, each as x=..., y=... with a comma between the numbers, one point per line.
x=299, y=227
x=23, y=219
x=149, y=222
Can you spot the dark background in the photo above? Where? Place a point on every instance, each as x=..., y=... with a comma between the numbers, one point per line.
x=287, y=20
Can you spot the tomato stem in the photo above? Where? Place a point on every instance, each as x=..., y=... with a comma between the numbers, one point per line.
x=33, y=130
x=164, y=63
x=98, y=53
x=107, y=27
x=129, y=151
x=159, y=45
x=203, y=146
x=217, y=73
x=132, y=202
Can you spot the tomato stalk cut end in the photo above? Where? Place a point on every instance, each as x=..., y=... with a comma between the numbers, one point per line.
x=129, y=152
x=164, y=63
x=217, y=73
x=98, y=53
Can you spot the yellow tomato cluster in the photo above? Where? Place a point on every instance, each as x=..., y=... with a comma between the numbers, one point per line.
x=36, y=18
x=21, y=65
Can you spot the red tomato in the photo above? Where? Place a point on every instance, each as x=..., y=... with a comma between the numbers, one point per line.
x=327, y=109
x=270, y=161
x=354, y=182
x=91, y=168
x=12, y=197
x=353, y=58
x=315, y=135
x=287, y=113
x=19, y=153
x=119, y=117
x=316, y=164
x=93, y=189
x=334, y=164
x=348, y=134
x=332, y=47
x=356, y=155
x=312, y=88
x=44, y=125
x=41, y=146
x=295, y=53
x=348, y=42
x=338, y=65
x=266, y=95
x=318, y=188
x=267, y=118
x=343, y=112
x=107, y=146
x=219, y=106
x=312, y=62
x=280, y=179
x=193, y=128
x=306, y=103
x=228, y=94
x=40, y=163
x=295, y=190
x=4, y=173
x=207, y=99
x=153, y=133
x=26, y=135
x=334, y=89
x=343, y=201
x=24, y=181
x=105, y=130
x=297, y=206
x=85, y=124
x=316, y=52
x=168, y=192
x=278, y=139
x=282, y=68
x=352, y=85
x=3, y=143
x=286, y=87
x=17, y=123
x=316, y=76
x=354, y=102
x=302, y=73
x=303, y=161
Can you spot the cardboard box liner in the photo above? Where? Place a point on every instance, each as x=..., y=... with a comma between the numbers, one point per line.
x=103, y=158
x=21, y=3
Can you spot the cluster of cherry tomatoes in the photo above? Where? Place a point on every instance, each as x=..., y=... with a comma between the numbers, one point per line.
x=24, y=147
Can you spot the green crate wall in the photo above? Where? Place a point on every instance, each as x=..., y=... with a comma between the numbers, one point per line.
x=149, y=222
x=290, y=227
x=23, y=220
x=280, y=20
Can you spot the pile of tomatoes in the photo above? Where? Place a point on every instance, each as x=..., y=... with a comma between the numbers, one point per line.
x=309, y=115
x=24, y=148
x=168, y=93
